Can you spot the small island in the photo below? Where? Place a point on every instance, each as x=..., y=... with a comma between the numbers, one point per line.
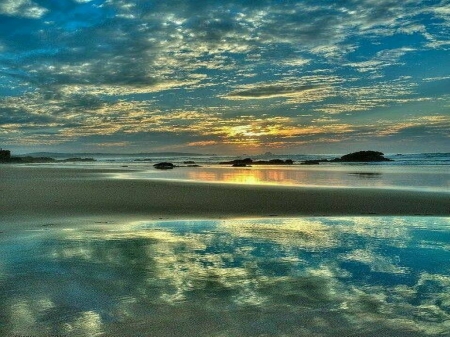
x=354, y=157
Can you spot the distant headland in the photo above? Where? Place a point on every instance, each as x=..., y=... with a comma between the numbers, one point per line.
x=6, y=157
x=49, y=157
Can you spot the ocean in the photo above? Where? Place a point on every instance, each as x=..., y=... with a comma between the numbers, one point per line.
x=424, y=171
x=409, y=171
x=411, y=159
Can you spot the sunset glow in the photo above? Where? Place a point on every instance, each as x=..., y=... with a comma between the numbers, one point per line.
x=226, y=77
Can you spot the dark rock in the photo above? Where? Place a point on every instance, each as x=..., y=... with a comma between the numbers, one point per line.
x=314, y=161
x=5, y=154
x=240, y=164
x=362, y=156
x=311, y=162
x=248, y=161
x=274, y=162
x=164, y=166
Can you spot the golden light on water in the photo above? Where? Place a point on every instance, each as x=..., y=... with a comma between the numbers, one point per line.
x=249, y=176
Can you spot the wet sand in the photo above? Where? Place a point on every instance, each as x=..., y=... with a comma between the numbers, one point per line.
x=43, y=192
x=109, y=275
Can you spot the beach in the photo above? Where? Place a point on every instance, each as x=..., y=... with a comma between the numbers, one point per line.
x=89, y=251
x=42, y=192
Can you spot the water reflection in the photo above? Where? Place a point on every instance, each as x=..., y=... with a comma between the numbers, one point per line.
x=342, y=176
x=366, y=175
x=271, y=277
x=250, y=176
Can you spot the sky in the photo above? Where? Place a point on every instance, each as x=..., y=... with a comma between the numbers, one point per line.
x=225, y=77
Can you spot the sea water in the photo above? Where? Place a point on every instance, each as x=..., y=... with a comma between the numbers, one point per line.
x=426, y=171
x=435, y=178
x=315, y=276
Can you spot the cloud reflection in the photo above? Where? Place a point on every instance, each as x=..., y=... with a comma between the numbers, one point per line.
x=292, y=277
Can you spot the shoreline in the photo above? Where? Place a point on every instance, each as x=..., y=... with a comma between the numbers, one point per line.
x=40, y=193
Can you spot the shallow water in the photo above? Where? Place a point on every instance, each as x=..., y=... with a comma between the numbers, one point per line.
x=358, y=276
x=431, y=178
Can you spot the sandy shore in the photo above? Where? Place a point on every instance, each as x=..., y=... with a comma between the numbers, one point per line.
x=45, y=192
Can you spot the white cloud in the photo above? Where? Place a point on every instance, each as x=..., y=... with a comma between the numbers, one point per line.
x=22, y=8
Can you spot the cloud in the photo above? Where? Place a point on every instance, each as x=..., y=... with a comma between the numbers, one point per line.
x=22, y=8
x=383, y=59
x=268, y=92
x=104, y=48
x=437, y=125
x=60, y=61
x=305, y=89
x=439, y=78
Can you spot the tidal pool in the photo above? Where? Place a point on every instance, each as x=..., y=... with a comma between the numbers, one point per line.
x=358, y=276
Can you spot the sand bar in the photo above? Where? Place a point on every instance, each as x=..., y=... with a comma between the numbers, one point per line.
x=46, y=192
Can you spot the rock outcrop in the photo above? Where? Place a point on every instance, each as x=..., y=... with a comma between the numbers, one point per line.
x=362, y=156
x=314, y=161
x=354, y=157
x=164, y=166
x=248, y=162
